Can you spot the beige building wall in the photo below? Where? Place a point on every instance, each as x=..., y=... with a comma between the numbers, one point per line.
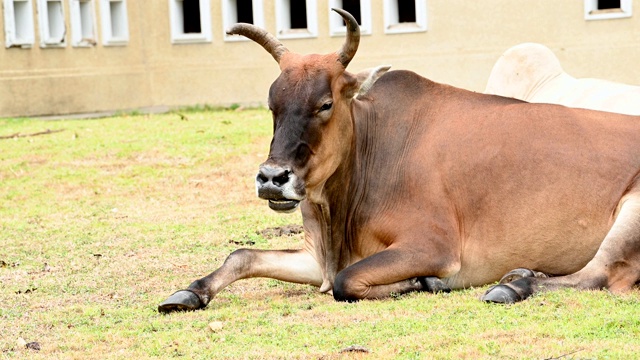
x=463, y=40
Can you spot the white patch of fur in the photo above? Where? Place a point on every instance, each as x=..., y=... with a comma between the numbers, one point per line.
x=289, y=190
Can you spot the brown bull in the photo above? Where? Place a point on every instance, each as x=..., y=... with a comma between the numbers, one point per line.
x=409, y=185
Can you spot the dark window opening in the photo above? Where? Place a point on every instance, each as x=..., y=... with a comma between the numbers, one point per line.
x=298, y=14
x=191, y=16
x=406, y=11
x=608, y=4
x=244, y=9
x=353, y=7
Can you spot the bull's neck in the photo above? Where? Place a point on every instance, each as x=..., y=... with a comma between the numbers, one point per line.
x=333, y=213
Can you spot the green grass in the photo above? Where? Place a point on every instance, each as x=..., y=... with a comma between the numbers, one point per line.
x=102, y=221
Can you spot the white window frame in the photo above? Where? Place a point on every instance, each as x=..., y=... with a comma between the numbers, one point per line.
x=47, y=39
x=391, y=24
x=108, y=36
x=25, y=23
x=591, y=11
x=230, y=17
x=336, y=26
x=83, y=34
x=178, y=36
x=283, y=21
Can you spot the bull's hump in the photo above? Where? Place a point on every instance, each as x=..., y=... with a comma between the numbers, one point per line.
x=404, y=81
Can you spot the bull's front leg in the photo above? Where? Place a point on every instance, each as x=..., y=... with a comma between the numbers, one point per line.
x=297, y=266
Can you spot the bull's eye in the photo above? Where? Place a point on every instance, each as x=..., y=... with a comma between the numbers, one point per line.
x=326, y=106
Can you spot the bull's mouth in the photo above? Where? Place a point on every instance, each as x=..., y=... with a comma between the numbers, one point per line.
x=283, y=205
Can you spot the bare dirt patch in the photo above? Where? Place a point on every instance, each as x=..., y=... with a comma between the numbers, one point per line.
x=287, y=230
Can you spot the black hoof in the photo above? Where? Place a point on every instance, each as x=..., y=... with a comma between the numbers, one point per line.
x=434, y=285
x=183, y=300
x=502, y=294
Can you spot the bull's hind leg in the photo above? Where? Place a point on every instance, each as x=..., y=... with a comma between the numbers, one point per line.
x=616, y=265
x=389, y=272
x=297, y=266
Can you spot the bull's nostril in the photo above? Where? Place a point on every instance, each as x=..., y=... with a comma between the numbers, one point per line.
x=262, y=179
x=281, y=179
x=270, y=176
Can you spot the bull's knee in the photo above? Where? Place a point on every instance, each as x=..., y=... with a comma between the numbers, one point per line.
x=347, y=288
x=622, y=276
x=240, y=259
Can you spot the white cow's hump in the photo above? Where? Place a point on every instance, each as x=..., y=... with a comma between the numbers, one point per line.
x=533, y=73
x=522, y=69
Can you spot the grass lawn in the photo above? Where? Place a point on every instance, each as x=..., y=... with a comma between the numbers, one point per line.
x=102, y=219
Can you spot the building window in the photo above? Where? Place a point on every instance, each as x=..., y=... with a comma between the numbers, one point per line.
x=244, y=11
x=241, y=11
x=406, y=12
x=115, y=24
x=18, y=23
x=298, y=15
x=296, y=19
x=608, y=4
x=190, y=21
x=83, y=24
x=607, y=9
x=402, y=16
x=52, y=27
x=361, y=11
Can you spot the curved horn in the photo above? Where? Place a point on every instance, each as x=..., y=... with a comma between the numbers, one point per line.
x=260, y=36
x=350, y=45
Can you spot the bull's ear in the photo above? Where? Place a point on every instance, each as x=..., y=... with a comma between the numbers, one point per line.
x=366, y=79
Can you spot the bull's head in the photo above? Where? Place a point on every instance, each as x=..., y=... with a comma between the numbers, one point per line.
x=310, y=102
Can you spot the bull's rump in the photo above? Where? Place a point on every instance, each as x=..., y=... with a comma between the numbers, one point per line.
x=538, y=186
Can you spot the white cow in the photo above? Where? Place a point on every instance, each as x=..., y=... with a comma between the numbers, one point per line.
x=531, y=72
